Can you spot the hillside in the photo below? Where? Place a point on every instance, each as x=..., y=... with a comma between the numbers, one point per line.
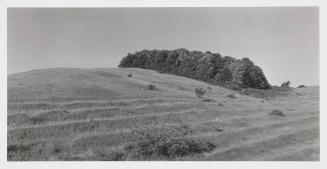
x=92, y=114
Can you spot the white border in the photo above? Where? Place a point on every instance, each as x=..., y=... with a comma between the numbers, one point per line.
x=157, y=3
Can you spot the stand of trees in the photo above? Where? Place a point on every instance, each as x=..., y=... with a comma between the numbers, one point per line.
x=210, y=67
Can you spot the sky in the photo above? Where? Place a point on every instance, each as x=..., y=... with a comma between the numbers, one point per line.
x=283, y=41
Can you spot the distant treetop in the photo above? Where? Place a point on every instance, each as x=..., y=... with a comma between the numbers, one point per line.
x=210, y=67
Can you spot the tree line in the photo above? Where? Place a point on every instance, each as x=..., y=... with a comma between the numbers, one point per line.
x=206, y=66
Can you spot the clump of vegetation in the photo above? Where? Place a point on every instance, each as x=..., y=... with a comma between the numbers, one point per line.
x=181, y=88
x=152, y=87
x=221, y=105
x=232, y=96
x=207, y=66
x=286, y=85
x=164, y=143
x=199, y=92
x=218, y=129
x=277, y=113
x=130, y=75
x=208, y=100
x=301, y=86
x=37, y=119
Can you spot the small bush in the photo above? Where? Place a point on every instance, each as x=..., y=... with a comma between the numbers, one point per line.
x=152, y=87
x=218, y=129
x=301, y=86
x=199, y=92
x=277, y=113
x=164, y=143
x=232, y=96
x=130, y=75
x=286, y=85
x=19, y=148
x=181, y=88
x=37, y=119
x=167, y=148
x=208, y=100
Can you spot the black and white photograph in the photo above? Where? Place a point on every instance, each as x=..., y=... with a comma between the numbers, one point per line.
x=163, y=84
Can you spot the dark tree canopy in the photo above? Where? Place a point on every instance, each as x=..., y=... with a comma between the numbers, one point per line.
x=210, y=67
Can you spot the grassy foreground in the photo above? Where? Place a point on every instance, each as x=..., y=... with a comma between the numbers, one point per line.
x=112, y=114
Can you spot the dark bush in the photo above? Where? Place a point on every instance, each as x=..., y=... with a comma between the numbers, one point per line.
x=181, y=88
x=277, y=113
x=286, y=85
x=218, y=129
x=199, y=92
x=301, y=86
x=130, y=75
x=208, y=100
x=165, y=144
x=152, y=87
x=232, y=96
x=37, y=119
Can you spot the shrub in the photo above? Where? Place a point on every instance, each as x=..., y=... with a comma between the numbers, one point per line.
x=286, y=85
x=165, y=143
x=277, y=113
x=232, y=96
x=37, y=119
x=152, y=87
x=199, y=92
x=181, y=88
x=208, y=100
x=301, y=86
x=130, y=75
x=218, y=129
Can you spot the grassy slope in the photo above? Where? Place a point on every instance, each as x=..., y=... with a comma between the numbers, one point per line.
x=65, y=113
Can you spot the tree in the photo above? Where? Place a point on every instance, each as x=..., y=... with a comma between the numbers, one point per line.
x=206, y=68
x=210, y=67
x=286, y=85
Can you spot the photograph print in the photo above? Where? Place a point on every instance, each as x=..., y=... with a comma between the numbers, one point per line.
x=163, y=84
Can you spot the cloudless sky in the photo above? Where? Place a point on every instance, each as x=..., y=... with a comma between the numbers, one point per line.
x=283, y=41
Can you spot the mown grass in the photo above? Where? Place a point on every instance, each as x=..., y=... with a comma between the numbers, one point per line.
x=56, y=115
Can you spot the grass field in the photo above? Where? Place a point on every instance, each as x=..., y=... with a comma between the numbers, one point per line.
x=92, y=114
